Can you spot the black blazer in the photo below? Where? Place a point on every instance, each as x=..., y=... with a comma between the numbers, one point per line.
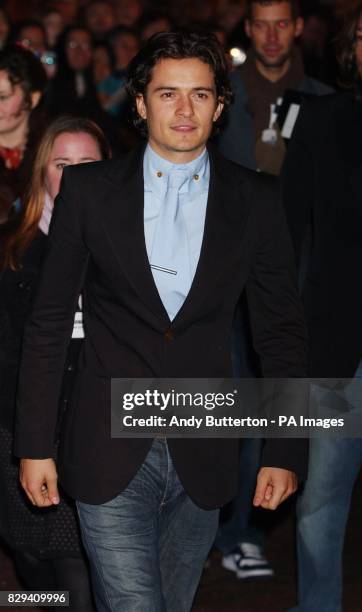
x=97, y=243
x=322, y=185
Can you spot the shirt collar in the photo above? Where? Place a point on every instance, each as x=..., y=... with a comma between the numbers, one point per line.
x=157, y=172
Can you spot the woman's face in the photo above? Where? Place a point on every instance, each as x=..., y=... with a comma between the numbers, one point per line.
x=13, y=113
x=78, y=49
x=68, y=149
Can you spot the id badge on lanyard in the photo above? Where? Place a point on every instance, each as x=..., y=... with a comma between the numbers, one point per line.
x=270, y=135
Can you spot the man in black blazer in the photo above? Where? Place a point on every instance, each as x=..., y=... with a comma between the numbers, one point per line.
x=148, y=509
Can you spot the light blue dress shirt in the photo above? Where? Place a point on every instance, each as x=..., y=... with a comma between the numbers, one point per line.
x=193, y=199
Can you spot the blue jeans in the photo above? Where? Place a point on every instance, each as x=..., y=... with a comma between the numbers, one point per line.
x=322, y=513
x=148, y=545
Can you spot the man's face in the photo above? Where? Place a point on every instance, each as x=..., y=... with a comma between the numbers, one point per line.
x=180, y=107
x=272, y=31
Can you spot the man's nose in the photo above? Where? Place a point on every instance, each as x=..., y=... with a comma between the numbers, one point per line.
x=272, y=33
x=185, y=106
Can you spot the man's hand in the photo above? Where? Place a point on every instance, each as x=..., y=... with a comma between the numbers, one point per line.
x=38, y=478
x=274, y=485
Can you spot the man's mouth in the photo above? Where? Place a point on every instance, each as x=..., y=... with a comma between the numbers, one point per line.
x=184, y=127
x=272, y=51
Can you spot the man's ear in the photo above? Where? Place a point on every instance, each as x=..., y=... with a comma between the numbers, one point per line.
x=35, y=98
x=141, y=106
x=247, y=28
x=299, y=25
x=219, y=109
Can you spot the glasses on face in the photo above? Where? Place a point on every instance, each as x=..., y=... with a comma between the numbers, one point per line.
x=73, y=44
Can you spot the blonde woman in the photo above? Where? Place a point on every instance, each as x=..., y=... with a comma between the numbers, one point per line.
x=46, y=546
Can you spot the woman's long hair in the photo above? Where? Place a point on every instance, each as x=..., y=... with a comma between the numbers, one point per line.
x=21, y=231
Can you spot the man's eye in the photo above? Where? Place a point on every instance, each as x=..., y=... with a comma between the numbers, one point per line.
x=259, y=25
x=201, y=96
x=167, y=94
x=60, y=166
x=283, y=23
x=3, y=98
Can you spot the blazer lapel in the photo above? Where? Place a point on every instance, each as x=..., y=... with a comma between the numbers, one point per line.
x=123, y=224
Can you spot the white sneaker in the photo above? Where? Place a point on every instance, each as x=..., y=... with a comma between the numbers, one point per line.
x=247, y=561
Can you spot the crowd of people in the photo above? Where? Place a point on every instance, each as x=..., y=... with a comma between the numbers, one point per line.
x=124, y=83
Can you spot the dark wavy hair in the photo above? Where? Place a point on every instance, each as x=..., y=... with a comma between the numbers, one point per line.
x=177, y=45
x=24, y=69
x=350, y=75
x=294, y=4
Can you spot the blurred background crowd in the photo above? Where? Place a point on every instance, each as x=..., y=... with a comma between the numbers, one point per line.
x=109, y=33
x=85, y=47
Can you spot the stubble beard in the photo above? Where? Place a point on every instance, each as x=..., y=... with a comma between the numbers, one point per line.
x=277, y=62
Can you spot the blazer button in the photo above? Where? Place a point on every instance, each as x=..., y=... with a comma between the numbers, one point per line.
x=169, y=336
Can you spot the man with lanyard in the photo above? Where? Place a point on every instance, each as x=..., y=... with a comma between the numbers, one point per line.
x=273, y=65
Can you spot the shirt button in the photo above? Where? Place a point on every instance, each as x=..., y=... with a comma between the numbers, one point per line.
x=196, y=177
x=169, y=336
x=159, y=174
